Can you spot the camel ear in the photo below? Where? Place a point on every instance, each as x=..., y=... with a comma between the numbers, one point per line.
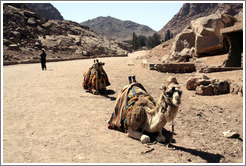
x=163, y=87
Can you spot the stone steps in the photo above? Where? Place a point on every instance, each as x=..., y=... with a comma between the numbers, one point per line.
x=185, y=68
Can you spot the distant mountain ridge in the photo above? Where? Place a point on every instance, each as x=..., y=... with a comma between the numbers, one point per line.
x=26, y=32
x=46, y=10
x=117, y=29
x=192, y=11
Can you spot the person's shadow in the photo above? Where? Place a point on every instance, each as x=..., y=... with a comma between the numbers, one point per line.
x=48, y=70
x=209, y=157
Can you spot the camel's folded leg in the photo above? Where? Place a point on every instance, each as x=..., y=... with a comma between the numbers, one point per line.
x=137, y=135
x=160, y=138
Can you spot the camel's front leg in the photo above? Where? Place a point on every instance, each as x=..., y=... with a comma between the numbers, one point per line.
x=160, y=138
x=137, y=135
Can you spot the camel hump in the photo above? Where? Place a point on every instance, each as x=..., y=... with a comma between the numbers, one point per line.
x=144, y=101
x=138, y=114
x=136, y=118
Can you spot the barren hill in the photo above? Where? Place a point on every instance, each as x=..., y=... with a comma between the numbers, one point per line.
x=46, y=10
x=191, y=11
x=25, y=32
x=117, y=29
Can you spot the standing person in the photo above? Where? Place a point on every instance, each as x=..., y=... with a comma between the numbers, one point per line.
x=43, y=59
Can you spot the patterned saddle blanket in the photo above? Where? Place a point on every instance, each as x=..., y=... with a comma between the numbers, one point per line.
x=91, y=75
x=126, y=98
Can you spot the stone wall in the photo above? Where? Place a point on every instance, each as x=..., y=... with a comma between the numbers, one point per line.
x=171, y=67
x=218, y=69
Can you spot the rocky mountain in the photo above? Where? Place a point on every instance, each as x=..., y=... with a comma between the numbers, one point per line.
x=46, y=10
x=218, y=36
x=25, y=33
x=117, y=29
x=192, y=11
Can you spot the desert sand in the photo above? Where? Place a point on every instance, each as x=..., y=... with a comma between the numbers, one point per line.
x=49, y=118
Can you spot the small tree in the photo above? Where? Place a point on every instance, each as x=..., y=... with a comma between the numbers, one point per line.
x=167, y=35
x=142, y=40
x=135, y=43
x=154, y=40
x=149, y=42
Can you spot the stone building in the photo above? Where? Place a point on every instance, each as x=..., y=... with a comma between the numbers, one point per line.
x=234, y=36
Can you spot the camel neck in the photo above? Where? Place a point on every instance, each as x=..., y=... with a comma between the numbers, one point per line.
x=170, y=110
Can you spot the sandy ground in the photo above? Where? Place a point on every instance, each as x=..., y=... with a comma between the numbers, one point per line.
x=49, y=118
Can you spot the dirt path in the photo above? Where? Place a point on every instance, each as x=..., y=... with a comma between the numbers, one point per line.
x=49, y=118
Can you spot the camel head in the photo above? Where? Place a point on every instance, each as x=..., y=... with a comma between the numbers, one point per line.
x=172, y=93
x=98, y=64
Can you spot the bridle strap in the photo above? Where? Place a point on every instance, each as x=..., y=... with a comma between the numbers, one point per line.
x=164, y=108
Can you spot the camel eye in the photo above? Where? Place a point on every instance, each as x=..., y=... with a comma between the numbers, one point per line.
x=169, y=94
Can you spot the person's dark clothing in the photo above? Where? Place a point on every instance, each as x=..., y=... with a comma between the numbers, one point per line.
x=43, y=60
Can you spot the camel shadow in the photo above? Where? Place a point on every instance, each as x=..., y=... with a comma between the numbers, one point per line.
x=209, y=157
x=165, y=132
x=109, y=92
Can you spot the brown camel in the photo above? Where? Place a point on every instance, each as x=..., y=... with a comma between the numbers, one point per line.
x=96, y=79
x=143, y=114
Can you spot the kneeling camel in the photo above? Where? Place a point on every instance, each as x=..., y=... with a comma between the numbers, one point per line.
x=135, y=110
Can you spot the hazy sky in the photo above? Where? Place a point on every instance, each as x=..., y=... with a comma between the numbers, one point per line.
x=154, y=14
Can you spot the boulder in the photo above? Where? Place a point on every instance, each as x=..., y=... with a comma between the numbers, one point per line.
x=205, y=77
x=14, y=47
x=185, y=54
x=6, y=42
x=223, y=87
x=204, y=90
x=215, y=90
x=205, y=86
x=47, y=25
x=85, y=53
x=236, y=89
x=15, y=34
x=184, y=40
x=207, y=32
x=29, y=13
x=191, y=83
x=38, y=44
x=32, y=21
x=231, y=134
x=201, y=37
x=183, y=47
x=204, y=82
x=199, y=90
x=208, y=90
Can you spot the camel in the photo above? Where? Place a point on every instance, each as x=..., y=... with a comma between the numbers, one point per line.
x=144, y=115
x=96, y=79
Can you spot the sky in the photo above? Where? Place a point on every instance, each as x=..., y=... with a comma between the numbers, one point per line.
x=154, y=14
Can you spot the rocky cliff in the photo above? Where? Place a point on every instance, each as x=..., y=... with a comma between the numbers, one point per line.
x=25, y=33
x=46, y=10
x=192, y=11
x=117, y=29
